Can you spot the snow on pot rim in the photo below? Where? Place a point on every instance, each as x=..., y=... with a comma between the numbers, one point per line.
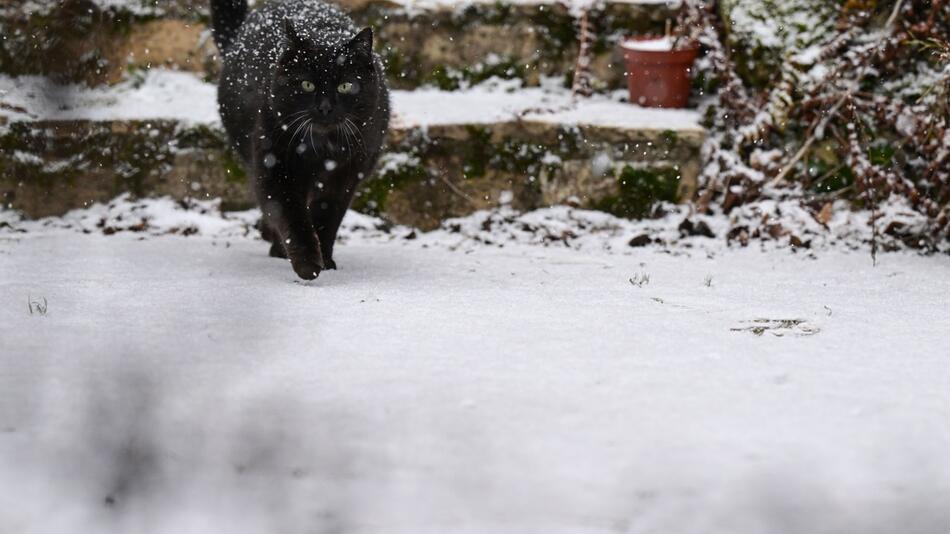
x=648, y=44
x=647, y=47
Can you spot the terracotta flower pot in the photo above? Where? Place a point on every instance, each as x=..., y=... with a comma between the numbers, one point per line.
x=657, y=76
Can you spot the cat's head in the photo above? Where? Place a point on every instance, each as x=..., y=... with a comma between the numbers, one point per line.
x=326, y=84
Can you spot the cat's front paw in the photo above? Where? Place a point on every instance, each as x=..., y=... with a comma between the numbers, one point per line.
x=307, y=266
x=330, y=265
x=307, y=270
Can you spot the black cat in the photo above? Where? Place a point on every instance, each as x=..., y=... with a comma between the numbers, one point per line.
x=304, y=100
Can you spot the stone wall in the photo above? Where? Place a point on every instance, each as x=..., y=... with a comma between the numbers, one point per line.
x=77, y=41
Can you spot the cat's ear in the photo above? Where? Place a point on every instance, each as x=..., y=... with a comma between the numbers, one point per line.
x=292, y=35
x=363, y=42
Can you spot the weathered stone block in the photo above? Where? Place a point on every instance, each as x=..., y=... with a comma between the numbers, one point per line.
x=51, y=167
x=426, y=176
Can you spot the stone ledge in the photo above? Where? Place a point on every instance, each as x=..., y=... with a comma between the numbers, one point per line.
x=428, y=173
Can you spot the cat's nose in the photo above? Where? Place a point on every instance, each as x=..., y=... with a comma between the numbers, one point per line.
x=325, y=106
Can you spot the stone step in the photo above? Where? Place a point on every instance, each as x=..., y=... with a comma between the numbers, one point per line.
x=449, y=153
x=447, y=44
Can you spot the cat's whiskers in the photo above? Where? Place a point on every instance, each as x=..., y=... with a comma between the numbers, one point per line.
x=341, y=130
x=286, y=128
x=357, y=134
x=352, y=137
x=350, y=141
x=310, y=134
x=298, y=113
x=294, y=118
x=300, y=127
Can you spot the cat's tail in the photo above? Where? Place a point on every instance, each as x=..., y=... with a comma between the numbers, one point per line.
x=226, y=18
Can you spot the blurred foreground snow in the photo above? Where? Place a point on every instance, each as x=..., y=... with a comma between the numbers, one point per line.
x=168, y=384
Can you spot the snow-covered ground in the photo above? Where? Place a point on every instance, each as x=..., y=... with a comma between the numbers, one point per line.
x=158, y=95
x=166, y=384
x=765, y=225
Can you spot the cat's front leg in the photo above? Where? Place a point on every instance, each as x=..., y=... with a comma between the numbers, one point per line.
x=268, y=234
x=297, y=236
x=285, y=210
x=327, y=213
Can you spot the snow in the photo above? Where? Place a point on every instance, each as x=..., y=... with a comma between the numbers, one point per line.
x=192, y=385
x=576, y=7
x=664, y=44
x=767, y=225
x=783, y=26
x=430, y=107
x=153, y=216
x=158, y=95
x=605, y=113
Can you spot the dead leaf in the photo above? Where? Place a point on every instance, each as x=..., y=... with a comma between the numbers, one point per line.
x=824, y=215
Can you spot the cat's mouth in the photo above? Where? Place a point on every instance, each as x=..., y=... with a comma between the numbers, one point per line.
x=332, y=127
x=323, y=129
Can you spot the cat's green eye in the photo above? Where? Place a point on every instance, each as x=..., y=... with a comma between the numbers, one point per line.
x=308, y=86
x=346, y=88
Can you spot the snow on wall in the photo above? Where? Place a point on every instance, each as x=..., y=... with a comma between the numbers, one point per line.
x=166, y=94
x=160, y=94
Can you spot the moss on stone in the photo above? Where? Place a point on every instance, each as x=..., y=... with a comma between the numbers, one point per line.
x=233, y=169
x=671, y=138
x=557, y=29
x=478, y=152
x=374, y=192
x=200, y=136
x=639, y=190
x=69, y=41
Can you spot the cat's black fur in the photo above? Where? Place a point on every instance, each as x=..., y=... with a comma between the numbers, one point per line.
x=306, y=145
